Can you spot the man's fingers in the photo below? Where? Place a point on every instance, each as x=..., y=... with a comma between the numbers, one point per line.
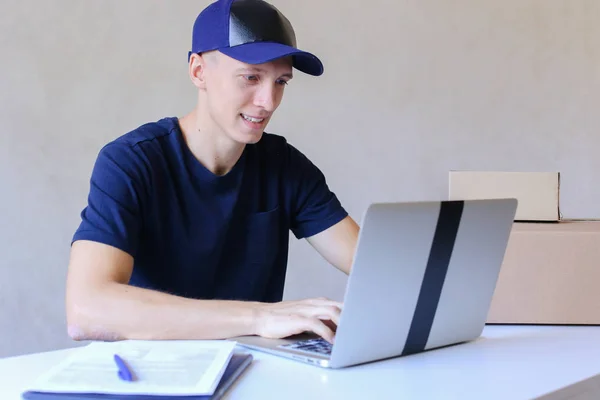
x=322, y=312
x=332, y=313
x=323, y=301
x=330, y=324
x=317, y=326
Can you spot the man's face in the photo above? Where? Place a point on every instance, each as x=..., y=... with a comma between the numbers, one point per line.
x=241, y=98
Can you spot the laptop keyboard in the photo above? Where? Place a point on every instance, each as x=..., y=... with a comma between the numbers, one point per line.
x=319, y=346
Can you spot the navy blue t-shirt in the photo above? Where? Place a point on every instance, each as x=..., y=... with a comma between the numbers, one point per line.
x=198, y=235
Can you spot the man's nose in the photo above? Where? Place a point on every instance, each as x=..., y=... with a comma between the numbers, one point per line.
x=266, y=97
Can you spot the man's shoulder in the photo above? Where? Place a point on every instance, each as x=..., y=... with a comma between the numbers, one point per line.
x=132, y=150
x=147, y=133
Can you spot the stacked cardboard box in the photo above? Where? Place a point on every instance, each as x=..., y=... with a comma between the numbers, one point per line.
x=551, y=269
x=550, y=275
x=537, y=192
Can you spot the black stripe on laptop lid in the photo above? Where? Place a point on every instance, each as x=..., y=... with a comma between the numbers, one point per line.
x=435, y=274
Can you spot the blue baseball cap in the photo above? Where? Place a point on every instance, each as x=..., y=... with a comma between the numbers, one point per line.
x=250, y=31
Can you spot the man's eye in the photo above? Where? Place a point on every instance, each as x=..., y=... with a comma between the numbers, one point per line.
x=251, y=77
x=282, y=82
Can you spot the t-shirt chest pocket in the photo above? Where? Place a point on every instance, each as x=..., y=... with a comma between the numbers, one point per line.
x=259, y=242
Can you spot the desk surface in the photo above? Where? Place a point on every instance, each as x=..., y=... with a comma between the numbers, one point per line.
x=507, y=362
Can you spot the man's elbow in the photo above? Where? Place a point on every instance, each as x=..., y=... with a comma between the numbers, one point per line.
x=81, y=332
x=75, y=332
x=81, y=325
x=75, y=307
x=77, y=327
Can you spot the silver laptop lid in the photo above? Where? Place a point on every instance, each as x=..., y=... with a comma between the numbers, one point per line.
x=423, y=277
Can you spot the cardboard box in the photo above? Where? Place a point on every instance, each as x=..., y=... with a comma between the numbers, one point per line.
x=537, y=192
x=550, y=275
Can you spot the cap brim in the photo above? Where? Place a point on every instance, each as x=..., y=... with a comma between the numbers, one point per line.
x=263, y=52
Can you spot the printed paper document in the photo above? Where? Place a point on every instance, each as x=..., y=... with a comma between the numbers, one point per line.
x=186, y=367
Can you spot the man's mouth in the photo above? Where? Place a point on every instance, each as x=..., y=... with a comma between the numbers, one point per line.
x=252, y=119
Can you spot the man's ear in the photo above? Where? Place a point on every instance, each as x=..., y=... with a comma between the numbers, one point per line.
x=197, y=70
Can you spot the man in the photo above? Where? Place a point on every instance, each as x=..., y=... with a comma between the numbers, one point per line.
x=185, y=235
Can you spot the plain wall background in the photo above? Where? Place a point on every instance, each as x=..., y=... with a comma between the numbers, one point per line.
x=412, y=89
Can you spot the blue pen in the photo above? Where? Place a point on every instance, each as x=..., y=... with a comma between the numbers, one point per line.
x=124, y=371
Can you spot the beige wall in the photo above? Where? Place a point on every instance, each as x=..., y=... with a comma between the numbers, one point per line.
x=412, y=89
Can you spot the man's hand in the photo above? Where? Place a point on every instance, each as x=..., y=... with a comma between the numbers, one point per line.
x=279, y=320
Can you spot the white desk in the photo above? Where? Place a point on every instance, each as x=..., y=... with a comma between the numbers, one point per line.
x=507, y=362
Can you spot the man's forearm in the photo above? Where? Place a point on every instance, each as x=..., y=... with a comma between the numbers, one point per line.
x=117, y=311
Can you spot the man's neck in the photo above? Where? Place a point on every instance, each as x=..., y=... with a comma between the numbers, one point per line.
x=212, y=149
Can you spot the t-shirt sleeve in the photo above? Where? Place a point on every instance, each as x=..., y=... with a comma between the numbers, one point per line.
x=113, y=212
x=314, y=206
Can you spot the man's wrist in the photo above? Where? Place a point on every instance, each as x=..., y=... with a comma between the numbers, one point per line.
x=254, y=317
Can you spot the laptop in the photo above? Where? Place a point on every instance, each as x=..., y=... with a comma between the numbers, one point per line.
x=422, y=278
